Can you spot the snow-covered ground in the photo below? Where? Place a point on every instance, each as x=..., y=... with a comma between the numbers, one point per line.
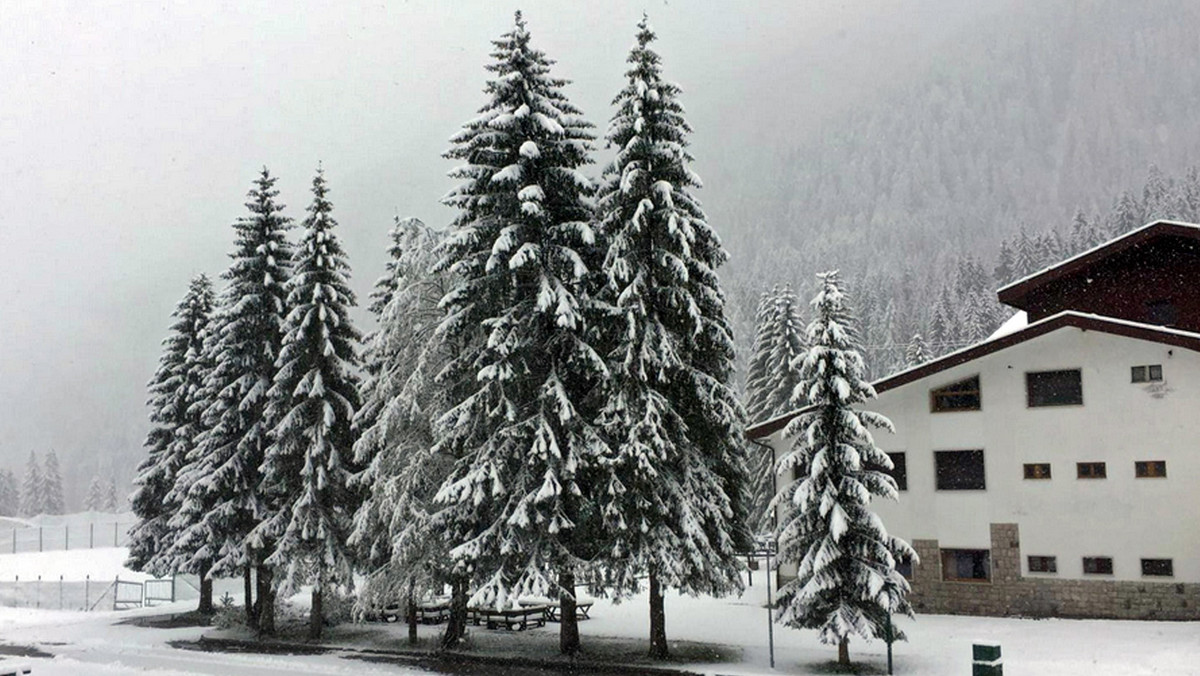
x=104, y=563
x=939, y=645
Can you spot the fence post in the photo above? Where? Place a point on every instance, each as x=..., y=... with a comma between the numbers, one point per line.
x=174, y=577
x=37, y=592
x=87, y=593
x=91, y=535
x=60, y=592
x=116, y=590
x=40, y=539
x=115, y=543
x=66, y=538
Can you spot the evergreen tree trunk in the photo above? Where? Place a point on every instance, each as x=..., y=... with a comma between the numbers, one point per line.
x=456, y=627
x=568, y=635
x=206, y=591
x=411, y=616
x=266, y=601
x=658, y=620
x=316, y=618
x=251, y=614
x=844, y=651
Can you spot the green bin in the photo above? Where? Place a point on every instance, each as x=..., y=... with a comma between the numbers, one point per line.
x=986, y=659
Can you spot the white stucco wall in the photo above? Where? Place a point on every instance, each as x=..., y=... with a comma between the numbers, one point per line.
x=1122, y=517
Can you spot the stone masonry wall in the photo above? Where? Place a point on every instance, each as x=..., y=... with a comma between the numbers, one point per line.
x=1010, y=594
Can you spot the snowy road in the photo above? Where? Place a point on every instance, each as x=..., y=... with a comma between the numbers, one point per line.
x=85, y=644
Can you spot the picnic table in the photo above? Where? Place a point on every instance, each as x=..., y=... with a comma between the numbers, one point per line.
x=520, y=618
x=583, y=606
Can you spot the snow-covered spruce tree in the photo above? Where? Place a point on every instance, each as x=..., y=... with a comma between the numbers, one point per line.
x=525, y=258
x=404, y=557
x=33, y=488
x=10, y=494
x=95, y=500
x=306, y=471
x=847, y=581
x=675, y=507
x=917, y=352
x=172, y=393
x=224, y=500
x=53, y=501
x=112, y=503
x=771, y=391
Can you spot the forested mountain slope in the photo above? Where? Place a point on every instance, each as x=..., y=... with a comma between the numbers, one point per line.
x=1017, y=122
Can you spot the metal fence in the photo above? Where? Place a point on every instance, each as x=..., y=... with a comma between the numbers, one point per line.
x=89, y=594
x=67, y=536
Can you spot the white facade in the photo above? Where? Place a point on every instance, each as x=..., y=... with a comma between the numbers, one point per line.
x=1119, y=422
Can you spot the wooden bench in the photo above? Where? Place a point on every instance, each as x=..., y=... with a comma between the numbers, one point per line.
x=433, y=612
x=512, y=618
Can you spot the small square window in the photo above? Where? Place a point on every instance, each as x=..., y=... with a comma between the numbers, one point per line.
x=959, y=470
x=1097, y=565
x=1146, y=374
x=1037, y=470
x=959, y=396
x=966, y=565
x=1054, y=388
x=1150, y=469
x=1043, y=564
x=1158, y=568
x=1091, y=470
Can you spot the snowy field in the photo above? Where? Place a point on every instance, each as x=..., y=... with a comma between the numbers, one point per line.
x=939, y=645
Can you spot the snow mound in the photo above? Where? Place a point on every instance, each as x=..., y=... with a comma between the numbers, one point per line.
x=1011, y=325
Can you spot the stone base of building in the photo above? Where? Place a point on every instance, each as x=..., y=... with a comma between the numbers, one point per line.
x=1008, y=593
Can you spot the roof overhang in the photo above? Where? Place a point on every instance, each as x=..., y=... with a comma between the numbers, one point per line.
x=1016, y=293
x=1079, y=320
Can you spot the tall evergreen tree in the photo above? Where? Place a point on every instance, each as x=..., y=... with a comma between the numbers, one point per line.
x=306, y=471
x=676, y=505
x=33, y=488
x=225, y=499
x=95, y=503
x=526, y=258
x=53, y=501
x=393, y=535
x=773, y=392
x=847, y=581
x=10, y=494
x=172, y=392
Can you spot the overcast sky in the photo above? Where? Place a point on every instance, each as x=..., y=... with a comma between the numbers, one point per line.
x=130, y=134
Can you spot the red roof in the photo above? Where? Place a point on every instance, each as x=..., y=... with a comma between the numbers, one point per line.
x=1119, y=327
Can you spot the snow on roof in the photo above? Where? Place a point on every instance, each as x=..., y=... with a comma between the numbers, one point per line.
x=1011, y=325
x=950, y=359
x=1096, y=248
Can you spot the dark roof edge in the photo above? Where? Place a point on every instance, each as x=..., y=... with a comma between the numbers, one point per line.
x=1119, y=327
x=1013, y=292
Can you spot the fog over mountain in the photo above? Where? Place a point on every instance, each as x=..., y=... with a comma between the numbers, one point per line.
x=855, y=135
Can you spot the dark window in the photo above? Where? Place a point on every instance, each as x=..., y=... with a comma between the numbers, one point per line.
x=1150, y=469
x=1091, y=470
x=1097, y=565
x=1054, y=388
x=959, y=470
x=1161, y=312
x=966, y=565
x=960, y=396
x=899, y=470
x=904, y=567
x=1037, y=470
x=1043, y=564
x=1158, y=567
x=1146, y=374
